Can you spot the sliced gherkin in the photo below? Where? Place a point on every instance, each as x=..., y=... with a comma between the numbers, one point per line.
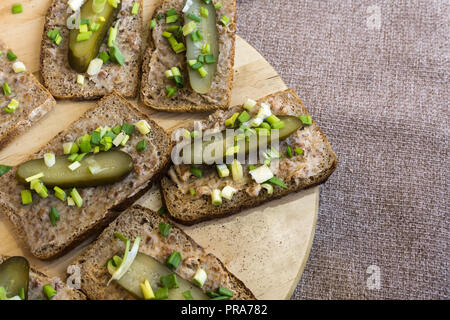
x=208, y=30
x=96, y=169
x=82, y=52
x=14, y=276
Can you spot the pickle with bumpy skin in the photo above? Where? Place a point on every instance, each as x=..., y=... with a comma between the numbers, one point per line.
x=208, y=30
x=15, y=276
x=291, y=124
x=82, y=52
x=95, y=170
x=145, y=267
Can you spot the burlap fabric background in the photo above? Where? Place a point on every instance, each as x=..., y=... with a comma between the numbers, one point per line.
x=374, y=75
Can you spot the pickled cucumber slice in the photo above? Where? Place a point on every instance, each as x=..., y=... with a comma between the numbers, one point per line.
x=14, y=276
x=82, y=52
x=144, y=268
x=105, y=168
x=291, y=124
x=208, y=29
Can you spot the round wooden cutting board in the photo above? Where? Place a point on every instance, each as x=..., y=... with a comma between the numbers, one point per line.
x=266, y=247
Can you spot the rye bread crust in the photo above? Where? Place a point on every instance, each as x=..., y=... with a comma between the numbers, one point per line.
x=60, y=78
x=181, y=104
x=138, y=220
x=185, y=210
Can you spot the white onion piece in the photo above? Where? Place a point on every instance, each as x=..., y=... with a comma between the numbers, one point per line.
x=126, y=264
x=95, y=66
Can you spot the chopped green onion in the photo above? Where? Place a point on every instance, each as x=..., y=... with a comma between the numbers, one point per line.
x=209, y=59
x=35, y=177
x=261, y=174
x=127, y=128
x=84, y=36
x=230, y=121
x=187, y=295
x=192, y=191
x=249, y=105
x=60, y=194
x=75, y=165
x=164, y=229
x=118, y=140
x=171, y=92
x=196, y=172
x=104, y=56
x=73, y=157
x=76, y=197
x=216, y=197
x=225, y=20
x=152, y=24
x=179, y=48
x=171, y=12
x=95, y=137
x=70, y=202
x=94, y=26
x=161, y=211
x=278, y=125
x=162, y=293
x=11, y=56
x=12, y=106
x=222, y=170
x=4, y=169
x=278, y=182
x=262, y=132
x=39, y=187
x=225, y=292
x=204, y=12
x=147, y=290
x=83, y=28
x=196, y=65
x=125, y=140
x=70, y=148
x=172, y=19
x=244, y=117
x=113, y=34
x=194, y=17
x=166, y=34
x=159, y=16
x=26, y=196
x=237, y=171
x=6, y=89
x=194, y=134
x=298, y=151
x=170, y=281
x=49, y=291
x=228, y=192
x=141, y=145
x=143, y=127
x=218, y=5
x=54, y=216
x=174, y=260
x=189, y=28
x=135, y=8
x=265, y=125
x=200, y=277
x=114, y=3
x=80, y=79
x=212, y=294
x=85, y=143
x=85, y=21
x=49, y=159
x=306, y=120
x=22, y=293
x=17, y=8
x=289, y=151
x=116, y=55
x=196, y=36
x=117, y=129
x=272, y=119
x=19, y=67
x=201, y=59
x=80, y=156
x=221, y=298
x=206, y=49
x=268, y=187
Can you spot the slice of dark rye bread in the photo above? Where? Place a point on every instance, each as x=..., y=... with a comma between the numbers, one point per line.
x=188, y=210
x=61, y=79
x=159, y=57
x=101, y=204
x=34, y=100
x=140, y=221
x=38, y=280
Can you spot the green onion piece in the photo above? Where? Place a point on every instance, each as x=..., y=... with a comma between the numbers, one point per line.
x=84, y=36
x=159, y=16
x=162, y=293
x=17, y=8
x=194, y=17
x=166, y=34
x=143, y=127
x=197, y=65
x=26, y=196
x=201, y=59
x=237, y=171
x=164, y=229
x=289, y=151
x=73, y=157
x=278, y=125
x=70, y=147
x=218, y=5
x=265, y=125
x=83, y=28
x=70, y=202
x=39, y=187
x=180, y=47
x=187, y=295
x=22, y=293
x=94, y=26
x=80, y=156
x=117, y=56
x=85, y=144
x=225, y=292
x=35, y=177
x=161, y=211
x=230, y=121
x=204, y=12
x=194, y=134
x=171, y=92
x=200, y=277
x=189, y=28
x=221, y=298
x=4, y=169
x=306, y=120
x=170, y=281
x=202, y=71
x=196, y=36
x=278, y=182
x=268, y=187
x=128, y=128
x=196, y=172
x=223, y=170
x=141, y=145
x=152, y=24
x=174, y=260
x=75, y=165
x=11, y=56
x=216, y=197
x=147, y=290
x=209, y=59
x=298, y=151
x=84, y=21
x=113, y=34
x=192, y=191
x=6, y=89
x=171, y=12
x=76, y=197
x=49, y=159
x=212, y=294
x=168, y=74
x=125, y=140
x=244, y=117
x=272, y=119
x=206, y=49
x=172, y=19
x=117, y=129
x=104, y=56
x=80, y=79
x=95, y=138
x=49, y=291
x=54, y=217
x=119, y=138
x=135, y=8
x=12, y=106
x=225, y=20
x=60, y=194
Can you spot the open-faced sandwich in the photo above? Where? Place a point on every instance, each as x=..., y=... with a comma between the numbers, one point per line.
x=19, y=281
x=189, y=63
x=215, y=178
x=92, y=47
x=80, y=180
x=143, y=255
x=23, y=100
